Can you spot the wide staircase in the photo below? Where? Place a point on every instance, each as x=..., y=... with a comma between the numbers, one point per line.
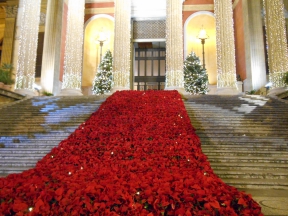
x=30, y=128
x=244, y=137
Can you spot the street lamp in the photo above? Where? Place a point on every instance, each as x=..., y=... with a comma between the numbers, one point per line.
x=101, y=39
x=203, y=36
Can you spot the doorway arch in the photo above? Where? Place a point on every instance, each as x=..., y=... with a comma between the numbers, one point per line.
x=192, y=26
x=91, y=49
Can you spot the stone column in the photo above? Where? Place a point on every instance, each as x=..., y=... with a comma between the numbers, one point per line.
x=8, y=40
x=174, y=46
x=254, y=46
x=51, y=51
x=276, y=41
x=28, y=21
x=73, y=48
x=122, y=45
x=226, y=65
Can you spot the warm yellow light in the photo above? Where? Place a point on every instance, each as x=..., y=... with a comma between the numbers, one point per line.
x=202, y=34
x=102, y=37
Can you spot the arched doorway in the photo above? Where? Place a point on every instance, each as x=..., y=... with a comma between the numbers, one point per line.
x=192, y=27
x=91, y=57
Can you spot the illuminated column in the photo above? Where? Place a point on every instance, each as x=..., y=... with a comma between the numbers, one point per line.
x=73, y=48
x=122, y=50
x=254, y=48
x=226, y=65
x=174, y=46
x=10, y=21
x=276, y=41
x=28, y=21
x=50, y=68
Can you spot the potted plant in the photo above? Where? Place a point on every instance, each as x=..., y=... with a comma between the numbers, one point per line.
x=6, y=76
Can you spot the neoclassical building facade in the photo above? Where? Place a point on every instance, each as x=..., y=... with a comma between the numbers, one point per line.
x=58, y=44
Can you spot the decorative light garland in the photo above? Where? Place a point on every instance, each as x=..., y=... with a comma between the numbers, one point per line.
x=276, y=41
x=74, y=45
x=174, y=44
x=175, y=79
x=28, y=42
x=226, y=66
x=122, y=50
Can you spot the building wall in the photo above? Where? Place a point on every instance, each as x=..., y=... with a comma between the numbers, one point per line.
x=239, y=40
x=193, y=6
x=91, y=9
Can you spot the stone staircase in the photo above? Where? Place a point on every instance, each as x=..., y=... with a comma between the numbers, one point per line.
x=244, y=137
x=30, y=128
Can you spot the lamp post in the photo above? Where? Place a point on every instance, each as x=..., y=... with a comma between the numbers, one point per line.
x=203, y=36
x=101, y=39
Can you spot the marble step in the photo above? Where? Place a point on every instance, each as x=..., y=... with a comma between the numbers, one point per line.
x=62, y=112
x=247, y=166
x=19, y=162
x=250, y=123
x=240, y=132
x=206, y=147
x=48, y=140
x=250, y=159
x=23, y=151
x=21, y=156
x=30, y=145
x=37, y=133
x=14, y=169
x=57, y=127
x=40, y=137
x=237, y=152
x=238, y=139
x=280, y=184
x=252, y=174
x=235, y=113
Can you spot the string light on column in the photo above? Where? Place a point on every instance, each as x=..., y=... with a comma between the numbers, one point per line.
x=74, y=45
x=276, y=41
x=122, y=50
x=174, y=44
x=28, y=42
x=226, y=66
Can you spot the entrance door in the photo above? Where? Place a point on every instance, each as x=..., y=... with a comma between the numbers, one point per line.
x=149, y=69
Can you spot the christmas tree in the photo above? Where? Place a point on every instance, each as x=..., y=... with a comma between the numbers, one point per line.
x=195, y=76
x=103, y=79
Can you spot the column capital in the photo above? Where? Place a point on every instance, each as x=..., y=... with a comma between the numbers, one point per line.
x=11, y=11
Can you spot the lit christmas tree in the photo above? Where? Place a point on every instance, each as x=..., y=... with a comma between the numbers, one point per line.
x=195, y=76
x=103, y=80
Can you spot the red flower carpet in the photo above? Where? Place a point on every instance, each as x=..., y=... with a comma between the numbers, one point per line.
x=136, y=155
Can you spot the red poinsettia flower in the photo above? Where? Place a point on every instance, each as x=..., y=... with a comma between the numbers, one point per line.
x=138, y=154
